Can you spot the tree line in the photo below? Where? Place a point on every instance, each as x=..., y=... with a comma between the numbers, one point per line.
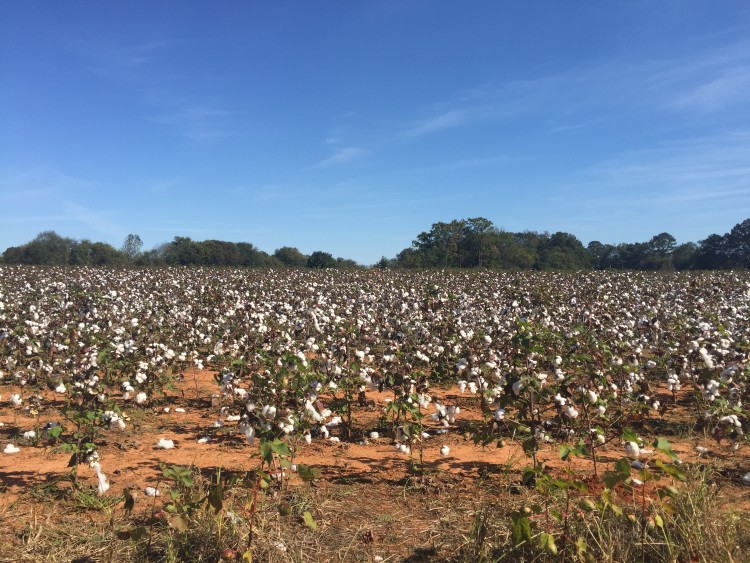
x=477, y=243
x=461, y=243
x=49, y=248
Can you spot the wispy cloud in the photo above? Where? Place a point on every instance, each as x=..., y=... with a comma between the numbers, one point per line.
x=341, y=156
x=711, y=168
x=95, y=220
x=446, y=120
x=598, y=93
x=198, y=122
x=38, y=181
x=147, y=72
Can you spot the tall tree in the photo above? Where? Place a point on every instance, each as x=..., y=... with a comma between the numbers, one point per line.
x=132, y=246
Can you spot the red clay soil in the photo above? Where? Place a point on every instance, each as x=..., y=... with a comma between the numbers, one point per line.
x=130, y=458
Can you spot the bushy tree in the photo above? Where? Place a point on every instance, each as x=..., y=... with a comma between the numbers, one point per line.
x=320, y=260
x=290, y=257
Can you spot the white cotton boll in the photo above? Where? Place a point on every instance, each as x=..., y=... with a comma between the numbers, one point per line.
x=560, y=400
x=334, y=439
x=308, y=438
x=600, y=438
x=701, y=450
x=233, y=418
x=179, y=409
x=558, y=360
x=141, y=398
x=11, y=449
x=152, y=492
x=103, y=486
x=29, y=435
x=499, y=414
x=746, y=479
x=462, y=386
x=517, y=386
x=204, y=440
x=15, y=400
x=374, y=435
x=335, y=421
x=472, y=388
x=445, y=450
x=164, y=444
x=632, y=450
x=592, y=396
x=60, y=388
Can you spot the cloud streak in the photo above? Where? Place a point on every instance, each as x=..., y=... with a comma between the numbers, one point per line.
x=341, y=156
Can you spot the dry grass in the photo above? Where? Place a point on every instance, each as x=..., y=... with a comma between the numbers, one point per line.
x=438, y=518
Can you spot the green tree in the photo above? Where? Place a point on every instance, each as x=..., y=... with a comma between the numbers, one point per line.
x=290, y=257
x=320, y=260
x=132, y=246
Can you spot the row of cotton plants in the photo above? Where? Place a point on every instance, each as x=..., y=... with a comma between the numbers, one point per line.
x=548, y=357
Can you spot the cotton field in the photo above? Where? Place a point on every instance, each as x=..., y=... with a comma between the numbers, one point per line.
x=648, y=370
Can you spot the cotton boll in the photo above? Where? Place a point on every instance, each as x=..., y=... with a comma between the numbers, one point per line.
x=374, y=435
x=11, y=449
x=141, y=398
x=445, y=450
x=164, y=444
x=29, y=435
x=152, y=492
x=632, y=450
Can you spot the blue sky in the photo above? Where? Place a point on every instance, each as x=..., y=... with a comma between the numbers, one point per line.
x=350, y=127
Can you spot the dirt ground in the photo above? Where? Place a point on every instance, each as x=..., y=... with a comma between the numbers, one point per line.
x=369, y=468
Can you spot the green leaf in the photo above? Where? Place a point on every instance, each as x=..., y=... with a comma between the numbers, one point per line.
x=662, y=445
x=629, y=435
x=671, y=469
x=520, y=528
x=216, y=497
x=280, y=448
x=547, y=543
x=658, y=521
x=622, y=466
x=565, y=451
x=266, y=453
x=309, y=522
x=307, y=473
